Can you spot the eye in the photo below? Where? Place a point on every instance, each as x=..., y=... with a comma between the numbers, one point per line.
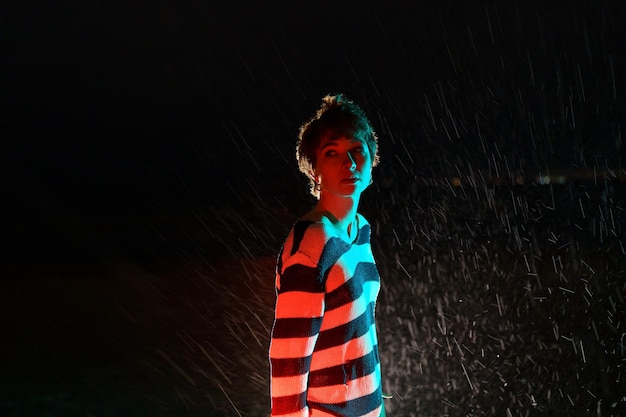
x=330, y=152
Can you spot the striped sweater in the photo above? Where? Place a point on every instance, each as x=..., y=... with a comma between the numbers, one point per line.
x=324, y=351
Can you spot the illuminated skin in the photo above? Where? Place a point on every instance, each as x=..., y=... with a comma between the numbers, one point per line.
x=343, y=169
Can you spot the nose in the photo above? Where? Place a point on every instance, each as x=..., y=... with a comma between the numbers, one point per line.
x=350, y=161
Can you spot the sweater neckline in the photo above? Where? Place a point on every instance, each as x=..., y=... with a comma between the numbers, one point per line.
x=324, y=221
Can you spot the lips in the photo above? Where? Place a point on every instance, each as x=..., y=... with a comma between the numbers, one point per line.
x=350, y=180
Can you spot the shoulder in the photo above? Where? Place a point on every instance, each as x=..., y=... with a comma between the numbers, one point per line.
x=307, y=237
x=362, y=220
x=365, y=230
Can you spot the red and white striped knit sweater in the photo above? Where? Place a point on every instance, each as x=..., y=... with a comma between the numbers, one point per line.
x=324, y=351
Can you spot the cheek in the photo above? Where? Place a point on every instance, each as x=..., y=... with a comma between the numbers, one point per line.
x=365, y=162
x=323, y=170
x=366, y=172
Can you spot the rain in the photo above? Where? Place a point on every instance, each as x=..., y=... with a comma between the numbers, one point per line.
x=150, y=181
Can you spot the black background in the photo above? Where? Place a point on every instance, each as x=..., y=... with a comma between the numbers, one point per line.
x=142, y=140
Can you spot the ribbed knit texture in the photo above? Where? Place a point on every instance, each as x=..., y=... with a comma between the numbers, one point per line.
x=324, y=351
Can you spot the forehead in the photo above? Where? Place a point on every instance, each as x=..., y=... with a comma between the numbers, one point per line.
x=340, y=139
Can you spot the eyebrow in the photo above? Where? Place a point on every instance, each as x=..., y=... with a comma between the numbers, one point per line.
x=327, y=144
x=335, y=143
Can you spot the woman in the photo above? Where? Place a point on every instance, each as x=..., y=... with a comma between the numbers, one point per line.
x=324, y=351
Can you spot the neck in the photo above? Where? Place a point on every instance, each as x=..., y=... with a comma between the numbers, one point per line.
x=342, y=210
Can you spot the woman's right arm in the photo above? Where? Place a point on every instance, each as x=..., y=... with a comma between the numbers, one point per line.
x=298, y=317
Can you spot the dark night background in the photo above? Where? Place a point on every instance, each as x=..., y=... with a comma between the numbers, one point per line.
x=148, y=180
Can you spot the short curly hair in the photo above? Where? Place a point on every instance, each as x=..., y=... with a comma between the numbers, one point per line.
x=337, y=117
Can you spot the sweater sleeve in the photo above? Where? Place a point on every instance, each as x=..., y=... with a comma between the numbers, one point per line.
x=298, y=317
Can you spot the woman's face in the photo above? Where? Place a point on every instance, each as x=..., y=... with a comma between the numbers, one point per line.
x=343, y=166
